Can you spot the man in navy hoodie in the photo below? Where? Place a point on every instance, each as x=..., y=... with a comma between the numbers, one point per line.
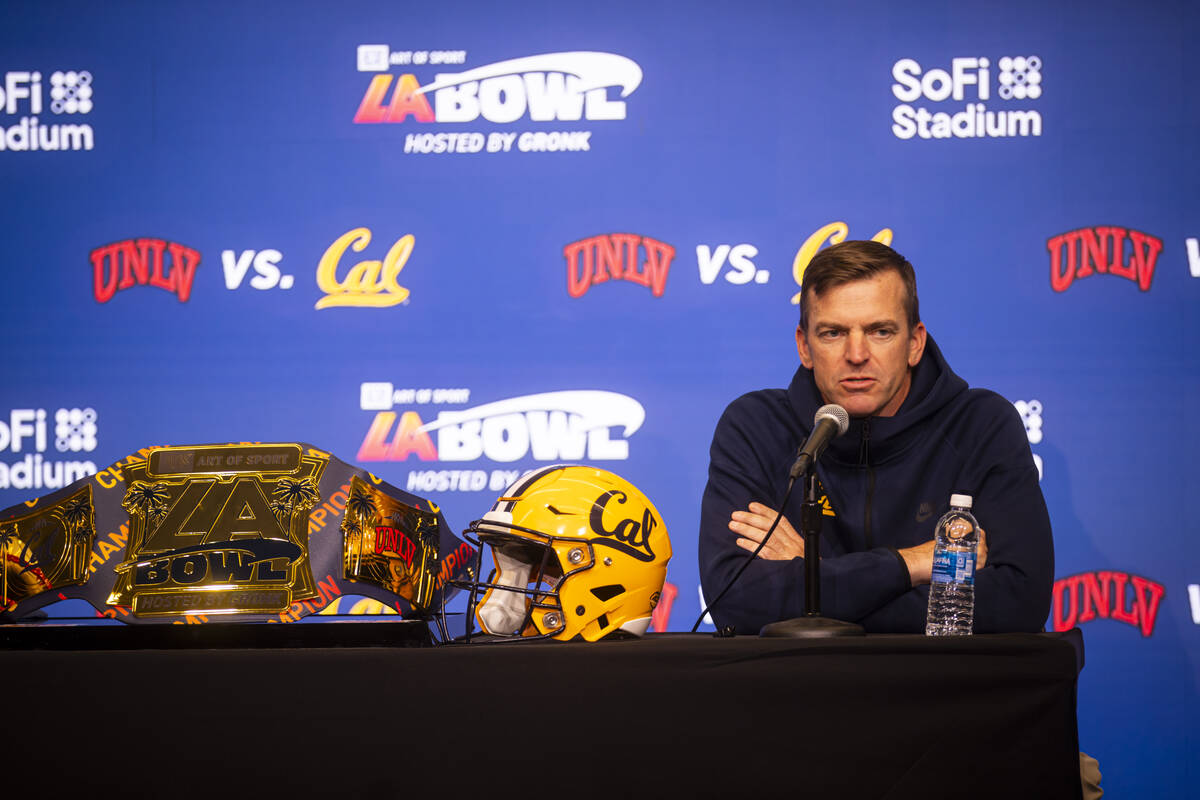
x=917, y=434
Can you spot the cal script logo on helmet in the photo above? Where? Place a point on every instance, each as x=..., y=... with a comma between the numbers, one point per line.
x=631, y=537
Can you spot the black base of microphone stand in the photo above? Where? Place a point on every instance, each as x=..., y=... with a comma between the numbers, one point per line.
x=810, y=628
x=812, y=625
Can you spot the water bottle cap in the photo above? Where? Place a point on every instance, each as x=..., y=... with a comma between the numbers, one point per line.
x=960, y=501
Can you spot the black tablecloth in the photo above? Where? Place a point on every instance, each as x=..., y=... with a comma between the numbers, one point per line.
x=674, y=715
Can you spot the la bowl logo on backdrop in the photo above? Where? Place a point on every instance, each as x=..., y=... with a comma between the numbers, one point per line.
x=366, y=284
x=143, y=262
x=970, y=78
x=28, y=431
x=23, y=98
x=550, y=427
x=618, y=256
x=550, y=87
x=1118, y=596
x=1105, y=249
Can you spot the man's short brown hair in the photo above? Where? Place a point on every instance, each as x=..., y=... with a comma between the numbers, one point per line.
x=854, y=261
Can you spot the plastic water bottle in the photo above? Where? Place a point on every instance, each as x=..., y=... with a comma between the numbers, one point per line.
x=951, y=607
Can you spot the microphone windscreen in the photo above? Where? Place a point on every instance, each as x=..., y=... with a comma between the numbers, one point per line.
x=837, y=414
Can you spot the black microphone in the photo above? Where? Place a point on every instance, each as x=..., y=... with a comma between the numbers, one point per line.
x=830, y=422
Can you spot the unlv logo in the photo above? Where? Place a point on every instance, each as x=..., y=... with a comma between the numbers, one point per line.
x=392, y=540
x=617, y=256
x=1119, y=596
x=1105, y=249
x=138, y=262
x=632, y=537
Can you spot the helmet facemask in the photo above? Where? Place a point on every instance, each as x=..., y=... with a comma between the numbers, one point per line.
x=521, y=596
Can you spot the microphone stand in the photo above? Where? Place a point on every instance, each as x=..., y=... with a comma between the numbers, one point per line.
x=812, y=625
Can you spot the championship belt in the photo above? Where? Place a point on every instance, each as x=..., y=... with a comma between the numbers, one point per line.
x=240, y=531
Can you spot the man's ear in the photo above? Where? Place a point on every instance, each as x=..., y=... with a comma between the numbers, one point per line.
x=805, y=353
x=916, y=344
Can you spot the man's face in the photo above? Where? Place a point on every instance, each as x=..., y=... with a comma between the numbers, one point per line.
x=859, y=346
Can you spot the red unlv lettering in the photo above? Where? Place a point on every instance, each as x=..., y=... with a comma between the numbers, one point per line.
x=394, y=540
x=615, y=256
x=1102, y=249
x=134, y=262
x=1082, y=598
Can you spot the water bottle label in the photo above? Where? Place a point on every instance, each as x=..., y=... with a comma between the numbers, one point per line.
x=951, y=567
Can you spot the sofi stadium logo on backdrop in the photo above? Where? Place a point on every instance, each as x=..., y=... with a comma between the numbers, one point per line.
x=1031, y=415
x=28, y=95
x=26, y=436
x=549, y=87
x=1118, y=596
x=963, y=103
x=1103, y=250
x=547, y=427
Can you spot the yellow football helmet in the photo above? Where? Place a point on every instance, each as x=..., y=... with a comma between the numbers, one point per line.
x=579, y=553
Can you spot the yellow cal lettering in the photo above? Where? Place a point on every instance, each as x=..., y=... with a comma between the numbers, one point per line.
x=369, y=283
x=327, y=280
x=834, y=233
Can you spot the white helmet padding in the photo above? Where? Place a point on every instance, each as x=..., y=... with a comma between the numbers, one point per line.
x=503, y=612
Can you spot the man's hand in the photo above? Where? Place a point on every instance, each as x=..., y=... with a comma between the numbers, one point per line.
x=919, y=559
x=752, y=525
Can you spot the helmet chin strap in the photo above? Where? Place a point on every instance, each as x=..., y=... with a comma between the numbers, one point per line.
x=503, y=612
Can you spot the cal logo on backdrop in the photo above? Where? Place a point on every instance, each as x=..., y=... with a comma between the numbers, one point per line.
x=370, y=283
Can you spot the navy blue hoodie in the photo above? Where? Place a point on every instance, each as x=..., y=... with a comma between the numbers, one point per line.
x=887, y=480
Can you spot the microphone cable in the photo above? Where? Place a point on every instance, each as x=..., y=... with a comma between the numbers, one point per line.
x=754, y=555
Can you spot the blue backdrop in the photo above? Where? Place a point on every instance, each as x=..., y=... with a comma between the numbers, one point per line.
x=450, y=243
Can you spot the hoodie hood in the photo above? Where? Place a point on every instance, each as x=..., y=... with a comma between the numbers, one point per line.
x=934, y=385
